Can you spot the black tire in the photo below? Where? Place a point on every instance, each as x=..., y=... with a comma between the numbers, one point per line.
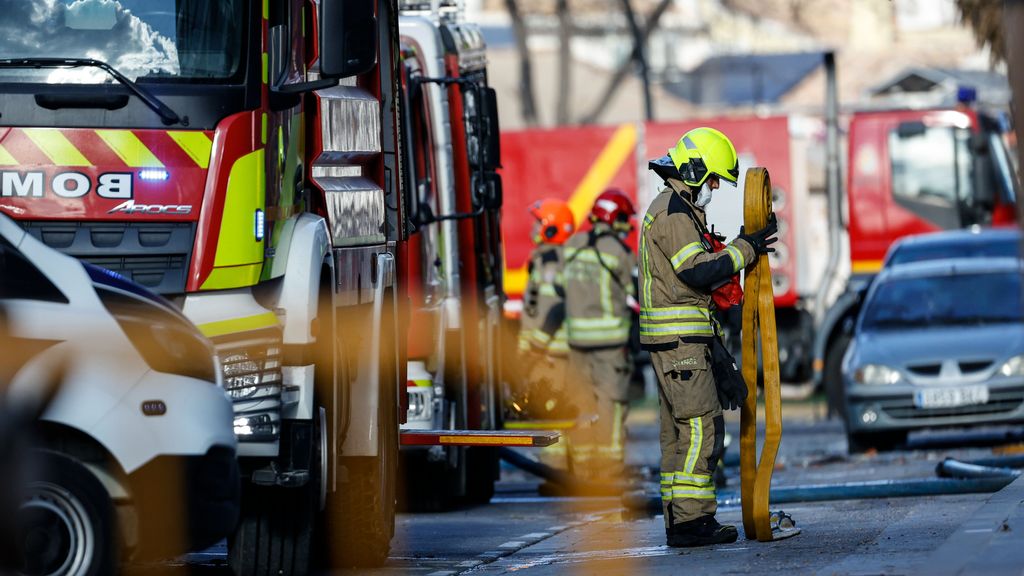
x=359, y=518
x=67, y=512
x=859, y=443
x=481, y=473
x=835, y=392
x=275, y=533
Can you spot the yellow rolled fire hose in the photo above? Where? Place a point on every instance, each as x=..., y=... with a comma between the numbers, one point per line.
x=759, y=328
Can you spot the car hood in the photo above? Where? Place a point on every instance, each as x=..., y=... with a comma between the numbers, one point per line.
x=995, y=342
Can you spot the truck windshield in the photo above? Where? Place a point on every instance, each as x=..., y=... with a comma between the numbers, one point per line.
x=146, y=40
x=952, y=300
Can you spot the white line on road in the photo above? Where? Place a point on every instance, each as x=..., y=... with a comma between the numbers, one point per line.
x=977, y=530
x=535, y=536
x=469, y=564
x=513, y=544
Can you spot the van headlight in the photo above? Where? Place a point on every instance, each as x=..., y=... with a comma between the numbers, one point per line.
x=1013, y=367
x=876, y=374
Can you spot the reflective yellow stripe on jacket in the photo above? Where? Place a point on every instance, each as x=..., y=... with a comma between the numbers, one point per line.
x=678, y=320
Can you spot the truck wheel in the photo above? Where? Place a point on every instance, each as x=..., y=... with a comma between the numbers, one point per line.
x=834, y=392
x=359, y=519
x=66, y=523
x=274, y=534
x=481, y=472
x=859, y=443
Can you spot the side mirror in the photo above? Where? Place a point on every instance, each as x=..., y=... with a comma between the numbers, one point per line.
x=348, y=37
x=912, y=129
x=492, y=132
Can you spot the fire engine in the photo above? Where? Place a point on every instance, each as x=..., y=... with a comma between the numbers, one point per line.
x=248, y=161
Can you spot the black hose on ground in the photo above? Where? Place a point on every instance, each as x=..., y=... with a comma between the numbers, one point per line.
x=952, y=468
x=1012, y=461
x=566, y=481
x=955, y=478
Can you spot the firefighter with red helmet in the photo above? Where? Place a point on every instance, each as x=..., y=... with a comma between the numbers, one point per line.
x=680, y=271
x=542, y=332
x=599, y=284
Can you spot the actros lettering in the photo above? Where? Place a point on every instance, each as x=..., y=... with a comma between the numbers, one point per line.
x=34, y=184
x=130, y=207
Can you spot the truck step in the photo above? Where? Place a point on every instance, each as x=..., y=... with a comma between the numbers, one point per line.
x=536, y=438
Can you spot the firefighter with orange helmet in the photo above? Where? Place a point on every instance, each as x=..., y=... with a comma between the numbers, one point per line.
x=542, y=334
x=599, y=284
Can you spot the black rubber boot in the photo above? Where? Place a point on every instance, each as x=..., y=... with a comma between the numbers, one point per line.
x=703, y=531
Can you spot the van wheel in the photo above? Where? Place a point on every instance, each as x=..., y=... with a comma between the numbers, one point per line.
x=275, y=532
x=66, y=523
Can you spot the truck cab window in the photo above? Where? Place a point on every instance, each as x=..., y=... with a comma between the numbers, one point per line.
x=932, y=172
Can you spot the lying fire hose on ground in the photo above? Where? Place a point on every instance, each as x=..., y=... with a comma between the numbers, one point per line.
x=759, y=327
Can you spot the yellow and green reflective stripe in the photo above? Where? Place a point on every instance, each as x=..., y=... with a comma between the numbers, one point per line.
x=692, y=329
x=696, y=440
x=590, y=255
x=685, y=253
x=129, y=148
x=235, y=325
x=56, y=146
x=648, y=220
x=597, y=323
x=548, y=289
x=696, y=494
x=737, y=258
x=684, y=479
x=675, y=313
x=647, y=281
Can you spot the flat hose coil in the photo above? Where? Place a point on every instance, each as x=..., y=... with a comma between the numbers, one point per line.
x=758, y=327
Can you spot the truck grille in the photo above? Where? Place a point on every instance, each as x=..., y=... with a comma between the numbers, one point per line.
x=253, y=380
x=153, y=254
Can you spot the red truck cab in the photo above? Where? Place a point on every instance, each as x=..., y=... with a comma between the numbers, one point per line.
x=917, y=171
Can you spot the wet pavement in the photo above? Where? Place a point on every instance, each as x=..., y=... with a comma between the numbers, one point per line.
x=523, y=532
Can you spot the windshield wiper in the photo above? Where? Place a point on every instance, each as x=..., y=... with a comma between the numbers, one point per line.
x=168, y=116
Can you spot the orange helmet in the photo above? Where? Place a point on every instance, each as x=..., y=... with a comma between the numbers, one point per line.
x=555, y=219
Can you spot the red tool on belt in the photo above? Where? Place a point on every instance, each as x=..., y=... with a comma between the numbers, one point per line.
x=730, y=293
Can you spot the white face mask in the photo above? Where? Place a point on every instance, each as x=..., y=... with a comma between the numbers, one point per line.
x=703, y=197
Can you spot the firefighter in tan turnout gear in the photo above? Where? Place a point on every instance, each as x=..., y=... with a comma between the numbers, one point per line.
x=598, y=284
x=543, y=346
x=697, y=377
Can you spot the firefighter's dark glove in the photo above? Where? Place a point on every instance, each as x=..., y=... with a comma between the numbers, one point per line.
x=732, y=390
x=762, y=240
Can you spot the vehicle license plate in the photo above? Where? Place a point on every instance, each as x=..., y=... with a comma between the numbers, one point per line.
x=951, y=397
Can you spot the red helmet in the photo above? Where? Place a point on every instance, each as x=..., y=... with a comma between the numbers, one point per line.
x=611, y=207
x=555, y=219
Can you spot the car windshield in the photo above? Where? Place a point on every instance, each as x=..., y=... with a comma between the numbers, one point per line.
x=146, y=40
x=1006, y=248
x=932, y=301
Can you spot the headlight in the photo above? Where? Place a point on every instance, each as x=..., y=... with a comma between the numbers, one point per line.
x=1013, y=367
x=875, y=374
x=167, y=342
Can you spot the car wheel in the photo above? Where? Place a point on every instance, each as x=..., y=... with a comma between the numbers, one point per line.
x=834, y=389
x=66, y=522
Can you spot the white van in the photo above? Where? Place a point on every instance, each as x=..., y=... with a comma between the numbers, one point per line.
x=135, y=456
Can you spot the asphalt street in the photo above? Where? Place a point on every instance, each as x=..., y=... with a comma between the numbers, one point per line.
x=523, y=532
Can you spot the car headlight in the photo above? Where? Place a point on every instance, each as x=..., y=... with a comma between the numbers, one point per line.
x=1013, y=367
x=875, y=374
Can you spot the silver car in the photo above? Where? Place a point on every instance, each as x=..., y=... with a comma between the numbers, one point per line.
x=937, y=343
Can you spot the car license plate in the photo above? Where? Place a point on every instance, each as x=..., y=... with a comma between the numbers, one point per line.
x=951, y=397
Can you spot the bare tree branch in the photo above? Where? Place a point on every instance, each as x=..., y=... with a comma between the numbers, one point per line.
x=620, y=74
x=640, y=57
x=564, y=63
x=528, y=104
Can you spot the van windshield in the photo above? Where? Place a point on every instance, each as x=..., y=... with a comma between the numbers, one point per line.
x=146, y=40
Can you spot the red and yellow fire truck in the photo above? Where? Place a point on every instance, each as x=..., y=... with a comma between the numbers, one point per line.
x=319, y=196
